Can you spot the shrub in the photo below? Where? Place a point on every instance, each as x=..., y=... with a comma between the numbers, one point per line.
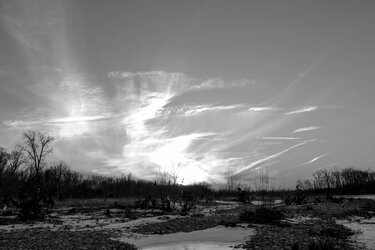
x=296, y=199
x=369, y=205
x=336, y=231
x=187, y=202
x=320, y=244
x=262, y=216
x=244, y=196
x=323, y=244
x=231, y=221
x=129, y=212
x=31, y=208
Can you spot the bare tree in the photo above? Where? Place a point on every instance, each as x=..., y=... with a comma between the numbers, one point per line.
x=308, y=185
x=327, y=178
x=336, y=174
x=318, y=180
x=10, y=163
x=232, y=181
x=4, y=157
x=16, y=160
x=36, y=147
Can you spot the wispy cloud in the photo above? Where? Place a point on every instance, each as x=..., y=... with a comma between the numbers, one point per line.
x=270, y=157
x=306, y=129
x=215, y=83
x=55, y=121
x=303, y=110
x=259, y=109
x=129, y=75
x=193, y=110
x=280, y=138
x=315, y=159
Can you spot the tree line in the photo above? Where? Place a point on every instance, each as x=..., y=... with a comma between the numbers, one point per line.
x=25, y=172
x=346, y=181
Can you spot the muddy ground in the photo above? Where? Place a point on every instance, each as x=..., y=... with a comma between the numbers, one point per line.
x=96, y=225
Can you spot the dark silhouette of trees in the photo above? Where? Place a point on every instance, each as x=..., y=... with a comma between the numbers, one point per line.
x=348, y=180
x=36, y=146
x=10, y=172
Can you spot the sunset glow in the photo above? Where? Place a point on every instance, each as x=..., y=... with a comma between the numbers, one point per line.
x=203, y=95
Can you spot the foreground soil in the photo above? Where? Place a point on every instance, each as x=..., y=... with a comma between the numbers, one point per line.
x=46, y=239
x=303, y=225
x=300, y=236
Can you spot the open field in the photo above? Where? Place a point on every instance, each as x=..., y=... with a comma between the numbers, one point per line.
x=115, y=224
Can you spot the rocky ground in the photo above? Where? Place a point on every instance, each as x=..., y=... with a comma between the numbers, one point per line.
x=90, y=228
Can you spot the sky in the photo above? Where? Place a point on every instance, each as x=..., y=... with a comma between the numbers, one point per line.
x=197, y=88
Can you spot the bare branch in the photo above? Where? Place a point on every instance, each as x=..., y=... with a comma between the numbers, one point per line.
x=37, y=146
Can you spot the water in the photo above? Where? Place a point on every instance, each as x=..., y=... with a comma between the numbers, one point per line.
x=362, y=196
x=274, y=202
x=192, y=246
x=219, y=237
x=366, y=229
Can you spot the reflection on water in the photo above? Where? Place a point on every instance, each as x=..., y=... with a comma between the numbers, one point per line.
x=219, y=237
x=192, y=246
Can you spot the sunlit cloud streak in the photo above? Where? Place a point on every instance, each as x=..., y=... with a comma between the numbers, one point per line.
x=306, y=129
x=62, y=120
x=302, y=110
x=270, y=157
x=259, y=109
x=209, y=108
x=315, y=159
x=280, y=138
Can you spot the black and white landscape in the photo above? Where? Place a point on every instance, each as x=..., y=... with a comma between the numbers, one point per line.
x=173, y=124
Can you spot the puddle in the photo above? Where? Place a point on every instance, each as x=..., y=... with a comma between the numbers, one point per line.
x=192, y=246
x=219, y=237
x=365, y=229
x=260, y=202
x=362, y=196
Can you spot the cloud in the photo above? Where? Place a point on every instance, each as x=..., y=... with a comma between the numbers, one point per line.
x=270, y=157
x=305, y=129
x=221, y=83
x=315, y=159
x=193, y=110
x=280, y=138
x=56, y=121
x=131, y=75
x=303, y=110
x=188, y=83
x=259, y=109
x=68, y=108
x=158, y=121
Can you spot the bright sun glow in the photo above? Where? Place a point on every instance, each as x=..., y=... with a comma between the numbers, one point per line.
x=75, y=125
x=73, y=129
x=172, y=158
